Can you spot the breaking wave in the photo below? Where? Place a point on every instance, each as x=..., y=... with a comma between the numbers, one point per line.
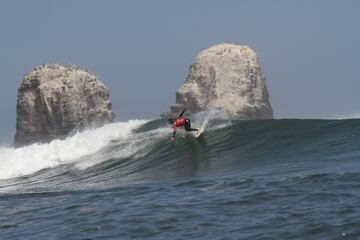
x=140, y=150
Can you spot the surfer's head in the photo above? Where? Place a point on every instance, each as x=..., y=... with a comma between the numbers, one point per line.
x=171, y=120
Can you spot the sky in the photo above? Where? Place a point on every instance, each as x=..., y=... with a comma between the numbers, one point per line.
x=141, y=50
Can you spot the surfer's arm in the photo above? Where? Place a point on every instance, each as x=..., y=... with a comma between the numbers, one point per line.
x=182, y=113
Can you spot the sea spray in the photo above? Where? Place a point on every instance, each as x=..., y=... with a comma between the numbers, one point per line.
x=202, y=119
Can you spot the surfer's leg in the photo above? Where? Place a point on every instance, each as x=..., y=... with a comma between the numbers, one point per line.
x=188, y=126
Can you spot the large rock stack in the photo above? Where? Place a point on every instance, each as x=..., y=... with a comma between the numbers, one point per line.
x=225, y=77
x=55, y=100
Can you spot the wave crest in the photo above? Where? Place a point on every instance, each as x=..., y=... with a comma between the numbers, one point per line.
x=16, y=162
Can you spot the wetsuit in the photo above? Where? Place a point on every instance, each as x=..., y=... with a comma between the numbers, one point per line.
x=182, y=122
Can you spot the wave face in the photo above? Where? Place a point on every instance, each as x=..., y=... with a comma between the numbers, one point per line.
x=277, y=179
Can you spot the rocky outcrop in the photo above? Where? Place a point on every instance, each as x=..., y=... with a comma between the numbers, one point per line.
x=55, y=100
x=229, y=78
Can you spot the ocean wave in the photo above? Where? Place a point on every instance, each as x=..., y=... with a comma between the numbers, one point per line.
x=16, y=162
x=140, y=149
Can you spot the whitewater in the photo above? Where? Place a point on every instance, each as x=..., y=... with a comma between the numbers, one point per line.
x=263, y=179
x=33, y=158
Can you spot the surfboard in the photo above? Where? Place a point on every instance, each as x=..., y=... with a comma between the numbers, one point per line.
x=199, y=132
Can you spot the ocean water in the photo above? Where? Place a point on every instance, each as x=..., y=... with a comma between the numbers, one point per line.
x=268, y=179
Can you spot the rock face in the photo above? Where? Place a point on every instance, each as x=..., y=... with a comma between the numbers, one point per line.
x=226, y=77
x=54, y=100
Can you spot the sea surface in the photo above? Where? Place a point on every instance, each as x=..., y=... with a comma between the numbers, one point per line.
x=266, y=179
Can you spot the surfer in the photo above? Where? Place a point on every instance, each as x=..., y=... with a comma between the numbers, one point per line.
x=180, y=121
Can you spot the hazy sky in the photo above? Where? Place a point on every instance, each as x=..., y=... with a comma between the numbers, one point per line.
x=308, y=50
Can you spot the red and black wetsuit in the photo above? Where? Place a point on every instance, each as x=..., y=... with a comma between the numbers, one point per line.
x=182, y=122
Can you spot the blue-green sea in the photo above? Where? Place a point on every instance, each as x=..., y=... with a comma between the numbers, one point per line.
x=264, y=179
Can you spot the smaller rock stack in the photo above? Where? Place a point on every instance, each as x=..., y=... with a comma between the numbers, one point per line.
x=55, y=99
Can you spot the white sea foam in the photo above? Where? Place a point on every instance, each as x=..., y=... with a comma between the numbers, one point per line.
x=135, y=146
x=30, y=159
x=347, y=116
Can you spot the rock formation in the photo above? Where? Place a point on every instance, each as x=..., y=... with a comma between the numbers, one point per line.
x=55, y=100
x=225, y=77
